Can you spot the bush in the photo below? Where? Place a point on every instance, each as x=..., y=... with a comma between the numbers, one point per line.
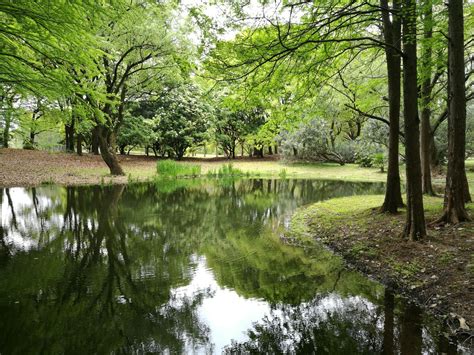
x=313, y=141
x=170, y=168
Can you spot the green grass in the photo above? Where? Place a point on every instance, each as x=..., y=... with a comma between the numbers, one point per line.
x=226, y=170
x=356, y=211
x=172, y=169
x=265, y=169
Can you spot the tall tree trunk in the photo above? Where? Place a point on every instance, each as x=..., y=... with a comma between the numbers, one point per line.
x=456, y=182
x=69, y=132
x=392, y=29
x=108, y=153
x=434, y=160
x=95, y=140
x=426, y=65
x=79, y=144
x=415, y=227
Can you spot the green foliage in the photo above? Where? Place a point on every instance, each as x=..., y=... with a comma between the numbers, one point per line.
x=135, y=131
x=172, y=169
x=182, y=119
x=315, y=141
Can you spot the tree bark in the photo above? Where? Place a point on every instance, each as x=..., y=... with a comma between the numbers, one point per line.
x=6, y=129
x=426, y=88
x=107, y=152
x=79, y=144
x=392, y=29
x=95, y=140
x=69, y=132
x=415, y=228
x=456, y=181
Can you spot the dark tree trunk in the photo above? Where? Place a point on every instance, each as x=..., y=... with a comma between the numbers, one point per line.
x=426, y=63
x=6, y=129
x=434, y=160
x=95, y=141
x=392, y=32
x=147, y=150
x=258, y=152
x=79, y=144
x=270, y=151
x=276, y=149
x=415, y=227
x=456, y=181
x=108, y=152
x=122, y=150
x=69, y=132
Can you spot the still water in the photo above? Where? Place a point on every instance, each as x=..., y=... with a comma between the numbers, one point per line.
x=188, y=267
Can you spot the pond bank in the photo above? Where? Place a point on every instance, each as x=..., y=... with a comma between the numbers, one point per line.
x=28, y=168
x=437, y=273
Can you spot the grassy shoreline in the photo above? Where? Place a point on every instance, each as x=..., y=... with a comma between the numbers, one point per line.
x=437, y=273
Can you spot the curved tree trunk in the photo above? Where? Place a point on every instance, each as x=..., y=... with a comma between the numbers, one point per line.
x=415, y=227
x=393, y=195
x=108, y=154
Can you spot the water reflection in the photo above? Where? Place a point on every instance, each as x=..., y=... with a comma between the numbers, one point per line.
x=186, y=266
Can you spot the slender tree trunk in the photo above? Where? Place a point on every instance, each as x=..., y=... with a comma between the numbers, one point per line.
x=434, y=160
x=426, y=64
x=69, y=132
x=276, y=149
x=392, y=29
x=6, y=129
x=456, y=181
x=107, y=151
x=415, y=228
x=270, y=150
x=79, y=144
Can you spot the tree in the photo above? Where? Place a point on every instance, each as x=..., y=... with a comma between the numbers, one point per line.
x=182, y=118
x=135, y=131
x=7, y=98
x=312, y=141
x=391, y=32
x=456, y=182
x=415, y=227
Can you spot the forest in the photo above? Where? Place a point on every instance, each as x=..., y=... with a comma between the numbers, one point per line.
x=194, y=96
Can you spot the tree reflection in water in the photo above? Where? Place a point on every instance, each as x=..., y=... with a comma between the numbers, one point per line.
x=98, y=270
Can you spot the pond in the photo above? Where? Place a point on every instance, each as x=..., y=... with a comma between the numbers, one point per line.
x=188, y=266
